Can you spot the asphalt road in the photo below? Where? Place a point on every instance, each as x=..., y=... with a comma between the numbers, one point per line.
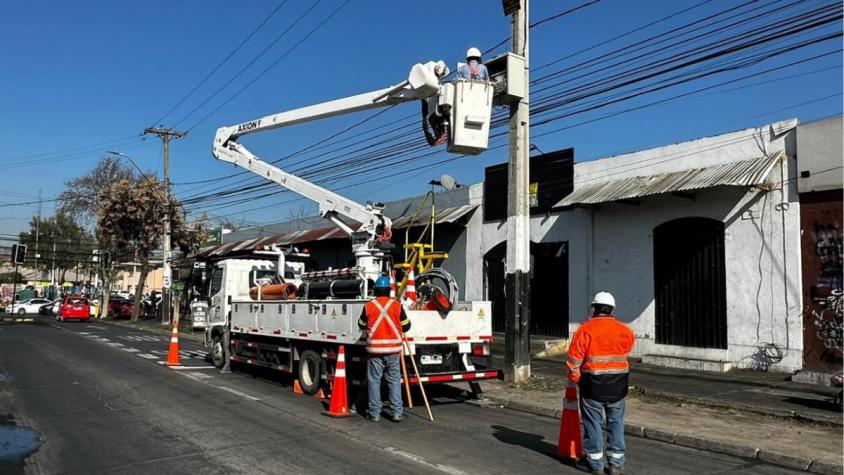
x=100, y=401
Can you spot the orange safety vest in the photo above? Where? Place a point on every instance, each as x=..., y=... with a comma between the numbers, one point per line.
x=597, y=358
x=383, y=326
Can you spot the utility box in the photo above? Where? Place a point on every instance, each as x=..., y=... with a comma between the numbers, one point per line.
x=471, y=109
x=507, y=74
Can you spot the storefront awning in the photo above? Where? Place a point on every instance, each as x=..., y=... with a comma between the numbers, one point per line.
x=753, y=172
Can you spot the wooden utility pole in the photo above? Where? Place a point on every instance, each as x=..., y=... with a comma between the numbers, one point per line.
x=166, y=135
x=517, y=278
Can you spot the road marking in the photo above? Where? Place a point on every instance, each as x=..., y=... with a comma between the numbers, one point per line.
x=160, y=352
x=82, y=333
x=130, y=350
x=187, y=367
x=115, y=344
x=422, y=461
x=147, y=356
x=104, y=340
x=96, y=327
x=236, y=392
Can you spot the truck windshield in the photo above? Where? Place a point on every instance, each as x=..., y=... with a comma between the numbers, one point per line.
x=216, y=282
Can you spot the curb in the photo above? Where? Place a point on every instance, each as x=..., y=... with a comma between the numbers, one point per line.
x=783, y=414
x=685, y=440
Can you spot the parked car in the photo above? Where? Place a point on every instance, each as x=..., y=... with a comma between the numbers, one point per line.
x=51, y=308
x=74, y=307
x=119, y=307
x=27, y=306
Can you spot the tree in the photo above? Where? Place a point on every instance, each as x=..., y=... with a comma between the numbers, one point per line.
x=82, y=197
x=131, y=216
x=72, y=243
x=82, y=200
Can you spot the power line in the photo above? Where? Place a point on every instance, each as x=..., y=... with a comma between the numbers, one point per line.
x=248, y=65
x=221, y=63
x=272, y=65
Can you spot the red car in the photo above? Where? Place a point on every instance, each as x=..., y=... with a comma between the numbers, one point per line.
x=74, y=307
x=119, y=307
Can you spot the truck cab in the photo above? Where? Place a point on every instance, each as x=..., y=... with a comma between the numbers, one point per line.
x=230, y=280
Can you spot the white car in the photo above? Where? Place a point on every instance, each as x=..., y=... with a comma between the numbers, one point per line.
x=27, y=306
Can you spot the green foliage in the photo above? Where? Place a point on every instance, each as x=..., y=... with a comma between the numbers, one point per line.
x=9, y=277
x=73, y=244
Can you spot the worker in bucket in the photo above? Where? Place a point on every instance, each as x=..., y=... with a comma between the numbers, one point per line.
x=474, y=67
x=385, y=322
x=597, y=363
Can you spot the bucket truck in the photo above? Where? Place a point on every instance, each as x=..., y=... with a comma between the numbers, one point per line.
x=301, y=332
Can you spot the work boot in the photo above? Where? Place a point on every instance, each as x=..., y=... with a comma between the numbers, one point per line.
x=373, y=417
x=397, y=418
x=615, y=470
x=583, y=465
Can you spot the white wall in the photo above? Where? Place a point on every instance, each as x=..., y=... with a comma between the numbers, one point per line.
x=611, y=247
x=820, y=146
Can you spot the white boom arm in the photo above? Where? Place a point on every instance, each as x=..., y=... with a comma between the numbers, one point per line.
x=423, y=82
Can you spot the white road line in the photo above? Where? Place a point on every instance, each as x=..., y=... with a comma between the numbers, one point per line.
x=147, y=356
x=81, y=333
x=422, y=461
x=130, y=350
x=97, y=327
x=180, y=367
x=115, y=344
x=160, y=352
x=238, y=393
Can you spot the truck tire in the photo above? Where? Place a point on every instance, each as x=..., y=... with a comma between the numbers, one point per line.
x=218, y=353
x=310, y=372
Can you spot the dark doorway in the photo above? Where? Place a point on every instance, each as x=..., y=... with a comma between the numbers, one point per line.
x=549, y=288
x=690, y=284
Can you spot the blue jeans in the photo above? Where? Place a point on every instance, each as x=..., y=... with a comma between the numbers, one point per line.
x=592, y=414
x=390, y=367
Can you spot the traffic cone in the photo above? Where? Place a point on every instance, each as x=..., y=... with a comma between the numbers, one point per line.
x=410, y=290
x=392, y=284
x=173, y=354
x=320, y=395
x=339, y=405
x=297, y=388
x=570, y=443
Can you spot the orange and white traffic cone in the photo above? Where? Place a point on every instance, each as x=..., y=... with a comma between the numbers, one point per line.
x=410, y=290
x=339, y=405
x=297, y=388
x=570, y=443
x=173, y=354
x=392, y=284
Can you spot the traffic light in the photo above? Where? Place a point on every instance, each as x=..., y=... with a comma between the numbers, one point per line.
x=18, y=253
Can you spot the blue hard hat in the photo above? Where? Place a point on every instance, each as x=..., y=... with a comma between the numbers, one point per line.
x=383, y=282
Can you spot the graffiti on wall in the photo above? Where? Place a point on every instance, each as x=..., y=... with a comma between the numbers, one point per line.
x=829, y=321
x=828, y=243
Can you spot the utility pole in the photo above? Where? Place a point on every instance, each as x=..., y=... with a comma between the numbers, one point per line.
x=166, y=135
x=517, y=276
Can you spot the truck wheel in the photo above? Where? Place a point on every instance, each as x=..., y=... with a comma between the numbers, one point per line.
x=310, y=372
x=218, y=354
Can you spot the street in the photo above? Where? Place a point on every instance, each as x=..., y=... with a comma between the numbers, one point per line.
x=102, y=402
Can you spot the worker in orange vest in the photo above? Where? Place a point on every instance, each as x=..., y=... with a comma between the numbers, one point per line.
x=597, y=363
x=385, y=322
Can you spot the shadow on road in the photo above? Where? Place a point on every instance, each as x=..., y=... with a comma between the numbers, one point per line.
x=534, y=442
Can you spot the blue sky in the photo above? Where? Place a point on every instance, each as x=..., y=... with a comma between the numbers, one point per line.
x=81, y=78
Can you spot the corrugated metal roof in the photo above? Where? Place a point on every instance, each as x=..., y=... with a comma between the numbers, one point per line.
x=744, y=173
x=445, y=215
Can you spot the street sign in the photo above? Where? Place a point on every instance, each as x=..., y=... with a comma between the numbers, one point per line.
x=18, y=253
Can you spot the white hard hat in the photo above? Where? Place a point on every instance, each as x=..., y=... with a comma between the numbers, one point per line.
x=473, y=53
x=604, y=298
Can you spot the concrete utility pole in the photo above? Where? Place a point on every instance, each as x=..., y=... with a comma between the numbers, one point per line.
x=165, y=135
x=517, y=278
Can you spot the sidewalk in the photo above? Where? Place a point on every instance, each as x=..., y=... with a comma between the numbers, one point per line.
x=765, y=393
x=761, y=416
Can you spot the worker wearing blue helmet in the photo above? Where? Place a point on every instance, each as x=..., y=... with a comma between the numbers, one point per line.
x=385, y=322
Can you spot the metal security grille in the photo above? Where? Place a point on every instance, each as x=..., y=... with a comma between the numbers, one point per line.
x=689, y=283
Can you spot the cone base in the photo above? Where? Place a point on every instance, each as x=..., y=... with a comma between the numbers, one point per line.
x=336, y=415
